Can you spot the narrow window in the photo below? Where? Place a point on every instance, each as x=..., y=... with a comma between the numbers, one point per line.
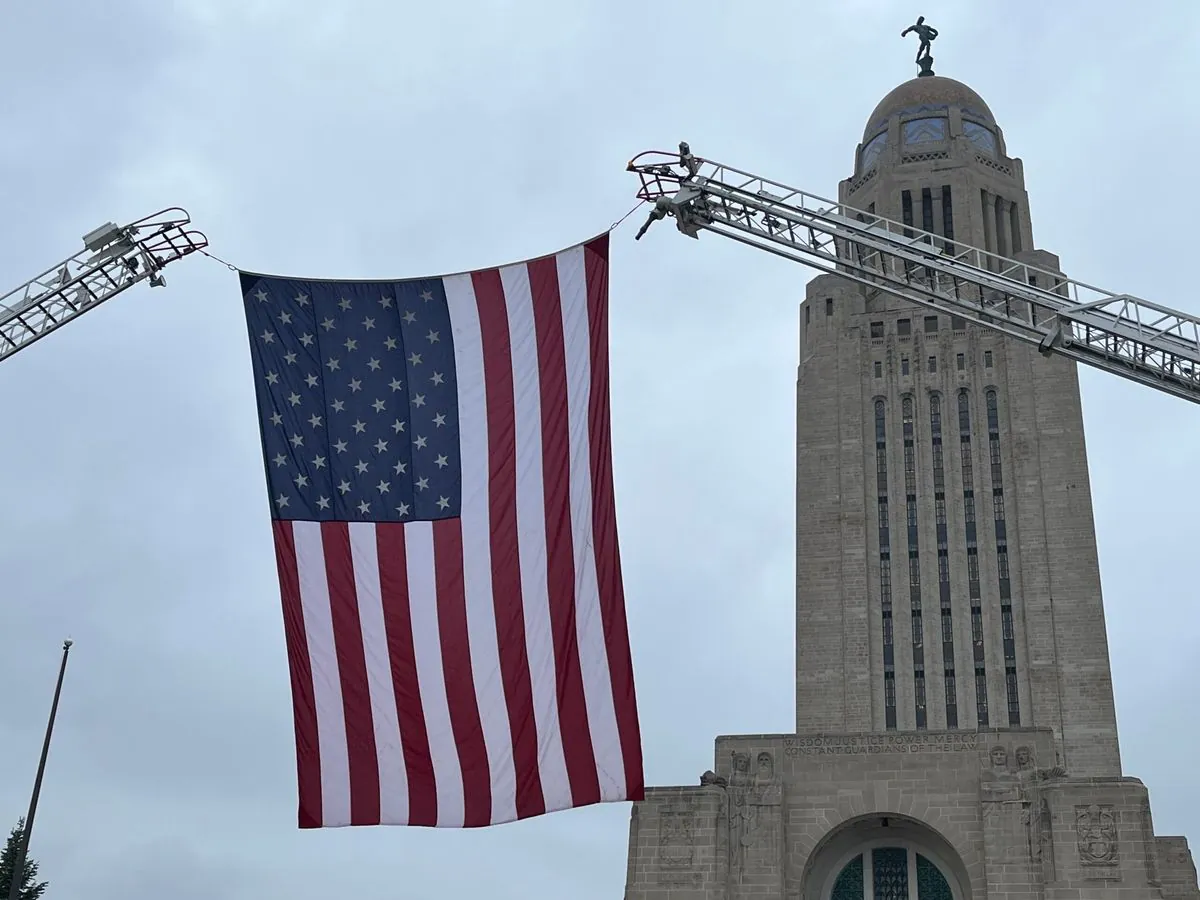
x=829, y=306
x=904, y=365
x=926, y=210
x=933, y=364
x=878, y=369
x=961, y=361
x=904, y=327
x=906, y=209
x=885, y=566
x=807, y=314
x=943, y=551
x=876, y=330
x=947, y=215
x=931, y=324
x=987, y=359
x=1002, y=562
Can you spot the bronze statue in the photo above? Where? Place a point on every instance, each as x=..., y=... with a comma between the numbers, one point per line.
x=927, y=33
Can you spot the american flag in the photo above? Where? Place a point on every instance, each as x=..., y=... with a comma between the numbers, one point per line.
x=439, y=468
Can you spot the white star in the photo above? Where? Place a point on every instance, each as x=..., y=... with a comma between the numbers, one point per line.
x=373, y=364
x=344, y=304
x=398, y=426
x=359, y=426
x=339, y=405
x=379, y=405
x=381, y=446
x=409, y=317
x=439, y=420
x=368, y=323
x=364, y=507
x=272, y=378
x=276, y=419
x=285, y=318
x=302, y=299
x=361, y=468
x=328, y=324
x=385, y=302
x=268, y=338
x=442, y=462
x=443, y=502
x=281, y=501
x=332, y=364
x=402, y=509
x=414, y=359
x=355, y=385
x=351, y=344
x=426, y=296
x=280, y=460
x=314, y=420
x=290, y=358
x=340, y=446
x=400, y=468
x=344, y=487
x=420, y=442
x=383, y=487
x=418, y=400
x=323, y=502
x=437, y=378
x=306, y=339
x=296, y=440
x=312, y=380
x=294, y=398
x=262, y=296
x=432, y=337
x=390, y=343
x=422, y=484
x=301, y=481
x=395, y=384
x=318, y=462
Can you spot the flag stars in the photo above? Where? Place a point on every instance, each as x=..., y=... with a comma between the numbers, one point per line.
x=301, y=481
x=398, y=426
x=418, y=400
x=422, y=484
x=368, y=323
x=437, y=378
x=276, y=419
x=302, y=299
x=443, y=502
x=373, y=364
x=315, y=421
x=312, y=380
x=409, y=317
x=345, y=304
x=355, y=385
x=294, y=398
x=306, y=339
x=364, y=507
x=385, y=302
x=318, y=462
x=390, y=343
x=272, y=378
x=333, y=364
x=290, y=357
x=361, y=468
x=426, y=295
x=262, y=295
x=420, y=442
x=339, y=405
x=381, y=446
x=351, y=344
x=285, y=318
x=280, y=459
x=439, y=420
x=344, y=487
x=395, y=384
x=442, y=462
x=297, y=440
x=383, y=487
x=359, y=426
x=400, y=468
x=402, y=509
x=268, y=337
x=432, y=337
x=322, y=503
x=379, y=406
x=329, y=324
x=340, y=446
x=281, y=501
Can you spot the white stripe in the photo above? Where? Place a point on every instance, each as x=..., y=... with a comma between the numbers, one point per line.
x=593, y=650
x=427, y=644
x=393, y=780
x=531, y=532
x=327, y=681
x=477, y=546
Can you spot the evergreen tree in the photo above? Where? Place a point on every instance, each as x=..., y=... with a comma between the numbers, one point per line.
x=31, y=889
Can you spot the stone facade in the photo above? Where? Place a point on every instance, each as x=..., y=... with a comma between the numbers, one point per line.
x=956, y=731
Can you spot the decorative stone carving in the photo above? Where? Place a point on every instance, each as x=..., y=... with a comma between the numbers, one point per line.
x=749, y=793
x=998, y=784
x=1148, y=848
x=1096, y=835
x=677, y=846
x=711, y=778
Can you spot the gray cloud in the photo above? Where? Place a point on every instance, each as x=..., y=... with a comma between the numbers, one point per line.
x=380, y=139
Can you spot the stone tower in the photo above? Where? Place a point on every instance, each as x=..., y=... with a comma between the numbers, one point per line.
x=955, y=727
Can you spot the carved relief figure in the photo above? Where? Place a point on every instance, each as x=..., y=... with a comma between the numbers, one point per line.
x=1046, y=842
x=998, y=783
x=1096, y=835
x=676, y=838
x=748, y=795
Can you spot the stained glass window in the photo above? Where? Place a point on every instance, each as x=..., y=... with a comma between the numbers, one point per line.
x=931, y=883
x=893, y=872
x=849, y=885
x=890, y=871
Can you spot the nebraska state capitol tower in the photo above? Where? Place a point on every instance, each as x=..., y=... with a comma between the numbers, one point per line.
x=955, y=727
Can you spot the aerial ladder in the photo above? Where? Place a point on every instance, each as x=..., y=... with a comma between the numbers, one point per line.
x=113, y=259
x=1127, y=336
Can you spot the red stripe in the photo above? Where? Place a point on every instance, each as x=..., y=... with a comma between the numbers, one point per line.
x=560, y=548
x=352, y=668
x=604, y=523
x=410, y=711
x=460, y=677
x=506, y=560
x=304, y=704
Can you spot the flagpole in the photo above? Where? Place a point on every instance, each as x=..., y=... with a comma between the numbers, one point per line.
x=14, y=889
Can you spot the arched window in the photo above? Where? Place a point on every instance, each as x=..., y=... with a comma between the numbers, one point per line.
x=889, y=872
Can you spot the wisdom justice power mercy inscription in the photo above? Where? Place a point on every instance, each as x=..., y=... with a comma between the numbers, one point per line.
x=879, y=743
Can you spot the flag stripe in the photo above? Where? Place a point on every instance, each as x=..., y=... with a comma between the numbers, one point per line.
x=304, y=707
x=556, y=461
x=608, y=562
x=456, y=665
x=531, y=532
x=327, y=687
x=606, y=742
x=477, y=555
x=389, y=753
x=352, y=667
x=505, y=558
x=410, y=711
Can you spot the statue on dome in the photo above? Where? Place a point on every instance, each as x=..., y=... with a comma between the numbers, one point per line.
x=927, y=33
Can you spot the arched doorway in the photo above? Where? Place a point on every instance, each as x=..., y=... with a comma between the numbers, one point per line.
x=891, y=871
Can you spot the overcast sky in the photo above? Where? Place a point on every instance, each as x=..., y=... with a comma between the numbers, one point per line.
x=393, y=139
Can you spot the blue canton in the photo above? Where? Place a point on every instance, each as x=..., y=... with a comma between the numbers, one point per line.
x=357, y=398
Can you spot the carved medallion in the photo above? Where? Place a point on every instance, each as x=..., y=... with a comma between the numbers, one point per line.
x=1096, y=834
